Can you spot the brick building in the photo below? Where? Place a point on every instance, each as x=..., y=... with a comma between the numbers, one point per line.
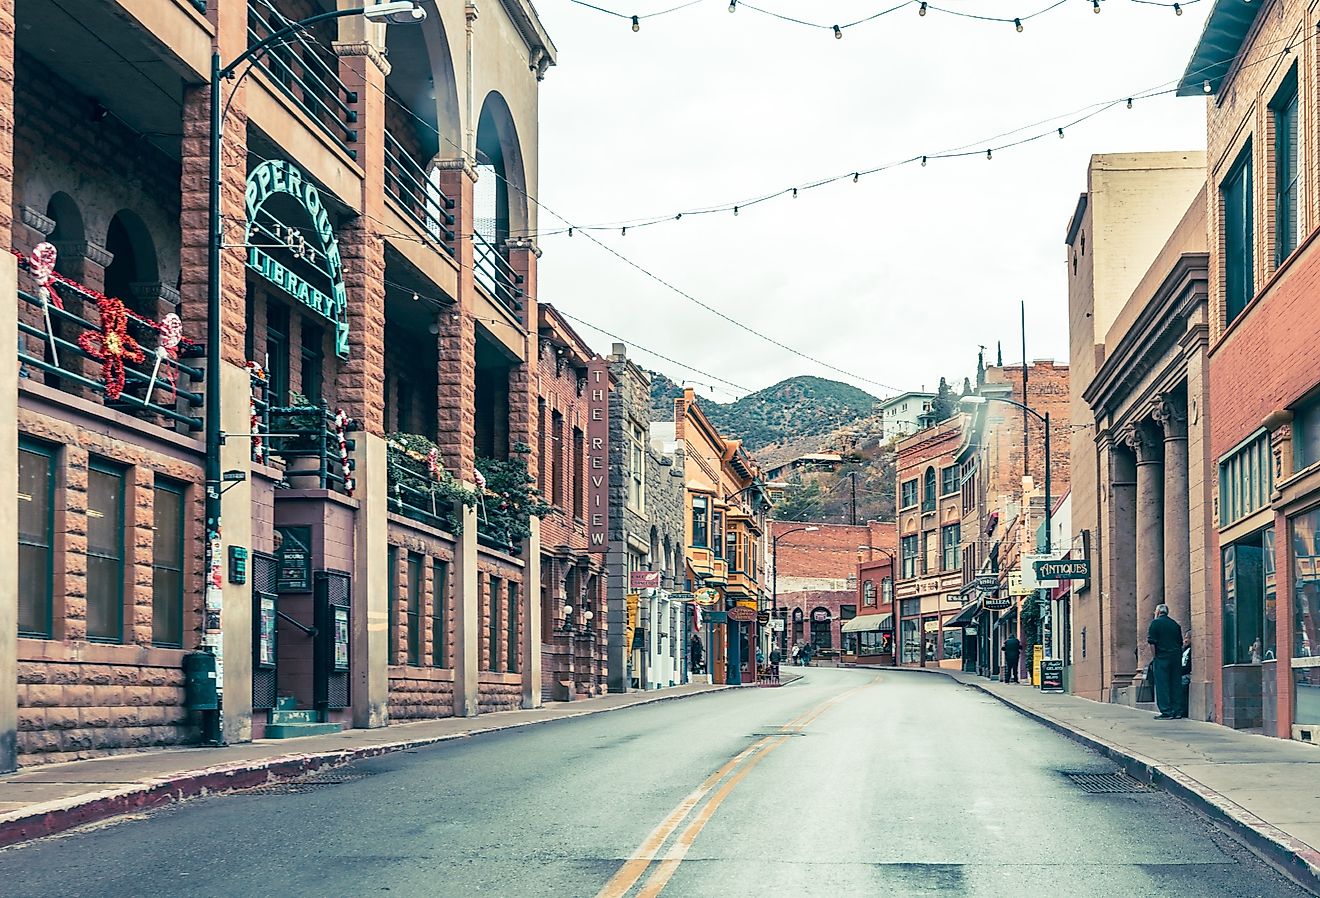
x=1140, y=459
x=573, y=615
x=869, y=637
x=648, y=502
x=1263, y=616
x=375, y=300
x=813, y=576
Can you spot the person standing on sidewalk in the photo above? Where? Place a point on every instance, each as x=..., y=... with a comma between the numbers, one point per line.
x=1012, y=652
x=1186, y=687
x=1166, y=637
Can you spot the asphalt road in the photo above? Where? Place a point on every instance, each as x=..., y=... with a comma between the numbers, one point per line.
x=842, y=784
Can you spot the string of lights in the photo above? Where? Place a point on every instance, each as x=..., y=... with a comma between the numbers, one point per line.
x=923, y=8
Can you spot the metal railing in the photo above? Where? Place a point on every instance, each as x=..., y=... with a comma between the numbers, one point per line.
x=496, y=275
x=413, y=496
x=298, y=65
x=304, y=436
x=418, y=193
x=260, y=417
x=172, y=377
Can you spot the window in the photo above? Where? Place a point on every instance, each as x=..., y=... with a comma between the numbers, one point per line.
x=1249, y=600
x=392, y=600
x=1306, y=433
x=439, y=613
x=951, y=546
x=908, y=555
x=167, y=565
x=887, y=590
x=948, y=480
x=636, y=467
x=36, y=540
x=557, y=471
x=700, y=522
x=1239, y=277
x=493, y=631
x=542, y=460
x=579, y=455
x=277, y=352
x=928, y=494
x=313, y=339
x=717, y=533
x=512, y=616
x=868, y=594
x=1306, y=617
x=414, y=609
x=731, y=550
x=1286, y=170
x=822, y=631
x=105, y=552
x=909, y=493
x=1246, y=478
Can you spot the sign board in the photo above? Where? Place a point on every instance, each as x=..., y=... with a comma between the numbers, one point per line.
x=763, y=617
x=341, y=639
x=1051, y=675
x=1069, y=569
x=681, y=596
x=285, y=214
x=632, y=603
x=996, y=603
x=266, y=633
x=1030, y=580
x=714, y=617
x=238, y=556
x=707, y=596
x=294, y=572
x=987, y=581
x=1015, y=585
x=777, y=625
x=598, y=455
x=742, y=614
x=820, y=614
x=644, y=580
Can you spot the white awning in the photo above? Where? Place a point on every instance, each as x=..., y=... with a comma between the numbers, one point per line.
x=868, y=623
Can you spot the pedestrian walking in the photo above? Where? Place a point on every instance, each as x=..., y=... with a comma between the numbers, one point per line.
x=1166, y=637
x=795, y=654
x=1183, y=693
x=807, y=651
x=695, y=651
x=1012, y=652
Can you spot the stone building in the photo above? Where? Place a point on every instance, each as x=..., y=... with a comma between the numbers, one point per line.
x=647, y=507
x=1262, y=158
x=1144, y=442
x=573, y=618
x=375, y=298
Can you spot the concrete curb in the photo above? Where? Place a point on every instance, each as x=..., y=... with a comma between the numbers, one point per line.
x=1293, y=857
x=51, y=818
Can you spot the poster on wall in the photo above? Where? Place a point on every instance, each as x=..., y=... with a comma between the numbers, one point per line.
x=341, y=639
x=295, y=559
x=266, y=633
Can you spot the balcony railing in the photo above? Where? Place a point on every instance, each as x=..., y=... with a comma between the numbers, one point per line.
x=306, y=438
x=172, y=395
x=419, y=488
x=496, y=275
x=418, y=194
x=298, y=65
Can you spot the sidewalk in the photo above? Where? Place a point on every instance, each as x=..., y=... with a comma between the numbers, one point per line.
x=1265, y=790
x=40, y=801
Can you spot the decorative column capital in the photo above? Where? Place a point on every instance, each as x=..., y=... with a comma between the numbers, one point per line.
x=1171, y=415
x=363, y=48
x=1141, y=439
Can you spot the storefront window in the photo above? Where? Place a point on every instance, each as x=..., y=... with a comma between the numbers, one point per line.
x=1306, y=616
x=821, y=635
x=875, y=642
x=930, y=639
x=953, y=639
x=911, y=641
x=1249, y=600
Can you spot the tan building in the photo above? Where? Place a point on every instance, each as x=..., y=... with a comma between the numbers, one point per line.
x=1136, y=273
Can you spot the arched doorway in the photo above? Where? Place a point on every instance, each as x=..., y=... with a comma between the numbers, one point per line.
x=822, y=633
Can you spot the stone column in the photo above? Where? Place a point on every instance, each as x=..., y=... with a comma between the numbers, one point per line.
x=1203, y=558
x=467, y=615
x=1117, y=587
x=8, y=488
x=1144, y=438
x=1172, y=417
x=371, y=598
x=531, y=617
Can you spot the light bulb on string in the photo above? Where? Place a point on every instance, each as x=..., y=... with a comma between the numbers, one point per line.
x=1129, y=103
x=1060, y=134
x=733, y=5
x=678, y=216
x=1095, y=7
x=570, y=232
x=1017, y=23
x=794, y=193
x=923, y=161
x=856, y=175
x=637, y=23
x=989, y=154
x=922, y=10
x=624, y=231
x=735, y=210
x=838, y=33
x=1205, y=86
x=1177, y=9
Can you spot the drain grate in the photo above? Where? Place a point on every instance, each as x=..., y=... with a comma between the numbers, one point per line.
x=307, y=782
x=1106, y=783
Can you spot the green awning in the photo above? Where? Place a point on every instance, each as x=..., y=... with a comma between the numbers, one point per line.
x=869, y=623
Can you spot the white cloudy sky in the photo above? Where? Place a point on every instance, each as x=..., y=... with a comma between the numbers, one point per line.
x=896, y=279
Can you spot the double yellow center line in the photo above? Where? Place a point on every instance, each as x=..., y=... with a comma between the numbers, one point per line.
x=726, y=779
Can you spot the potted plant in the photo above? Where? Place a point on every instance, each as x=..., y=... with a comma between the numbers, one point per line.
x=302, y=449
x=510, y=498
x=419, y=482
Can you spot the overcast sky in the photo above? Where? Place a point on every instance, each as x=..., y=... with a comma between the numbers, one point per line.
x=896, y=279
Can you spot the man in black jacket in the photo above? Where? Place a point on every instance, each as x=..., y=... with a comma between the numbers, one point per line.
x=1012, y=652
x=1165, y=636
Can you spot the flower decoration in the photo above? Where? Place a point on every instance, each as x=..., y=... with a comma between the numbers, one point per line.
x=112, y=346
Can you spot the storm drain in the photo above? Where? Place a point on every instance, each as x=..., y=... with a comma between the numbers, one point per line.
x=1106, y=783
x=308, y=782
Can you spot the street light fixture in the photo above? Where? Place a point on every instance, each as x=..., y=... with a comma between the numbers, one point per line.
x=774, y=580
x=388, y=12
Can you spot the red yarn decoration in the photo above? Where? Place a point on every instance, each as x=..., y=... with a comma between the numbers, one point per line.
x=112, y=346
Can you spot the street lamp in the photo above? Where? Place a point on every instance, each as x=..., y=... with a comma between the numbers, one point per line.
x=774, y=580
x=390, y=12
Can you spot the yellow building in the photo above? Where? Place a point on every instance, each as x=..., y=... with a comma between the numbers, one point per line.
x=726, y=508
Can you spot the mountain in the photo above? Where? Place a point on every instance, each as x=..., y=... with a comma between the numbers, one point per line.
x=793, y=412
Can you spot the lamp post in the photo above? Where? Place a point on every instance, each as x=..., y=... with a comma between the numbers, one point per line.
x=388, y=12
x=1045, y=420
x=774, y=578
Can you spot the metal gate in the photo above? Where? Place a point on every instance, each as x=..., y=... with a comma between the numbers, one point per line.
x=331, y=658
x=265, y=610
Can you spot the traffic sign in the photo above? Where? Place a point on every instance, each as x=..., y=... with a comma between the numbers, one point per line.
x=1068, y=569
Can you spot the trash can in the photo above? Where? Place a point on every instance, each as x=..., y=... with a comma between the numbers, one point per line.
x=199, y=682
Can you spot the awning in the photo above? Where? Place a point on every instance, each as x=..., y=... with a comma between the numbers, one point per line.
x=869, y=623
x=964, y=618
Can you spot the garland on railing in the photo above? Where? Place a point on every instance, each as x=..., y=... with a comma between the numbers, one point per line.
x=254, y=421
x=112, y=346
x=341, y=425
x=515, y=498
x=414, y=463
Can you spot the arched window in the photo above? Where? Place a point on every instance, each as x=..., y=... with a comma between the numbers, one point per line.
x=822, y=633
x=928, y=493
x=868, y=592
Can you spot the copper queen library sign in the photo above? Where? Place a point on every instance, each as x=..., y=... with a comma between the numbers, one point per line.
x=598, y=455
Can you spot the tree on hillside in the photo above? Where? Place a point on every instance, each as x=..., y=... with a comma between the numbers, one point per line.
x=945, y=404
x=801, y=501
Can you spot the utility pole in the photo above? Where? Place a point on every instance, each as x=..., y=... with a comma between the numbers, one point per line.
x=853, y=478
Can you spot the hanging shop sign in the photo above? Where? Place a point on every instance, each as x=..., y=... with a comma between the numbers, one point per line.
x=988, y=582
x=1072, y=569
x=291, y=243
x=1015, y=587
x=996, y=603
x=598, y=455
x=643, y=579
x=742, y=614
x=820, y=614
x=706, y=596
x=682, y=596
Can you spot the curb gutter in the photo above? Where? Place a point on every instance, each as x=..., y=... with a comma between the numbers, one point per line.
x=53, y=817
x=1289, y=854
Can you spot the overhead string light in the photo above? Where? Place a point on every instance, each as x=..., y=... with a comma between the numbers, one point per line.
x=838, y=33
x=637, y=24
x=1017, y=23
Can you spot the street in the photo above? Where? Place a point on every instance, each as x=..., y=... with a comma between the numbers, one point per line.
x=847, y=782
